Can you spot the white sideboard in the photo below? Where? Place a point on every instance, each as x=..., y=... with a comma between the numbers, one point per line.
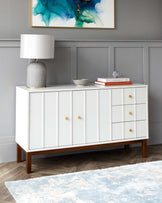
x=69, y=118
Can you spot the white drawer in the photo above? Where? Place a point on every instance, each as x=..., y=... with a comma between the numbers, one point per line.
x=129, y=96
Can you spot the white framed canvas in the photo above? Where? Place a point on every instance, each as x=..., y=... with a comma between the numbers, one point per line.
x=73, y=13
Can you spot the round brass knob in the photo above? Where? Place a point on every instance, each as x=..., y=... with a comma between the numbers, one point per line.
x=130, y=96
x=79, y=117
x=130, y=130
x=66, y=118
x=130, y=113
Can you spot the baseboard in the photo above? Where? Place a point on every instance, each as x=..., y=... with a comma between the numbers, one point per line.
x=7, y=149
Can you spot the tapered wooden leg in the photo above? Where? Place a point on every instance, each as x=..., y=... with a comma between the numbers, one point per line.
x=126, y=147
x=28, y=162
x=19, y=154
x=144, y=148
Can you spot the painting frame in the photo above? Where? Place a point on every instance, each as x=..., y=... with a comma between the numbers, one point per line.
x=34, y=23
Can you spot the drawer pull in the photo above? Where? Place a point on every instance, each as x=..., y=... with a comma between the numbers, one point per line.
x=130, y=130
x=66, y=118
x=130, y=96
x=130, y=113
x=79, y=117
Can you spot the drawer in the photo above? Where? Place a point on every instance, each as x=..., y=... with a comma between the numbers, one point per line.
x=129, y=96
x=129, y=113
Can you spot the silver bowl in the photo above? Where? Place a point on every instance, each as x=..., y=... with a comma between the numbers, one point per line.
x=80, y=82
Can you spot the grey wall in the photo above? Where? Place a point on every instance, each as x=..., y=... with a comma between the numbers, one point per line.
x=135, y=19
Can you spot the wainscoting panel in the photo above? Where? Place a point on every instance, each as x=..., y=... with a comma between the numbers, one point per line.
x=59, y=68
x=129, y=62
x=155, y=83
x=93, y=63
x=139, y=60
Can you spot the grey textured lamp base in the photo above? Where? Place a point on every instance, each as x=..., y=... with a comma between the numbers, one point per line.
x=36, y=75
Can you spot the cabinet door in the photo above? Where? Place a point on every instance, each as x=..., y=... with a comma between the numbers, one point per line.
x=51, y=119
x=92, y=116
x=36, y=121
x=65, y=118
x=104, y=115
x=141, y=95
x=78, y=117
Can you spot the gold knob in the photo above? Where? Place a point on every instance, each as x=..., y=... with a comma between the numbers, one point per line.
x=66, y=118
x=130, y=130
x=130, y=113
x=130, y=96
x=79, y=117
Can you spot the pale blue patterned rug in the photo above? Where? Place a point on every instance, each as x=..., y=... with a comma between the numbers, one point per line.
x=138, y=183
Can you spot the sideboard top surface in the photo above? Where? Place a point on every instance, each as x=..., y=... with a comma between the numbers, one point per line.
x=75, y=88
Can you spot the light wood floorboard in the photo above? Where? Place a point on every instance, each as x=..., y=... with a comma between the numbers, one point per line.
x=72, y=163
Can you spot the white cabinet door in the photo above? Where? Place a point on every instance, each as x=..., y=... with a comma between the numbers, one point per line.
x=78, y=117
x=36, y=121
x=117, y=96
x=129, y=96
x=51, y=119
x=142, y=129
x=92, y=116
x=104, y=115
x=65, y=118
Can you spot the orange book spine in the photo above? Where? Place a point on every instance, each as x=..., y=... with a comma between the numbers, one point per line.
x=113, y=83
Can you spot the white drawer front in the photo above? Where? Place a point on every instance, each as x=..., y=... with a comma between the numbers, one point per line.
x=129, y=96
x=130, y=130
x=117, y=131
x=129, y=113
x=142, y=129
x=141, y=95
x=141, y=113
x=117, y=114
x=65, y=118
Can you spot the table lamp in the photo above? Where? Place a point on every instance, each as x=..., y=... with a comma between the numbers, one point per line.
x=33, y=46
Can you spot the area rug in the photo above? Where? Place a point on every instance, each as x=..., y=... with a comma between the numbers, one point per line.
x=137, y=183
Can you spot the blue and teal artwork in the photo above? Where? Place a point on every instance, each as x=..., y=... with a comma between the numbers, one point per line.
x=73, y=13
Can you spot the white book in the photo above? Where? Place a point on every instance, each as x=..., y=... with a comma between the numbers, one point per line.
x=113, y=79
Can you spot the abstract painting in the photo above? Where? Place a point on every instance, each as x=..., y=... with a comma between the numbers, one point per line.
x=73, y=13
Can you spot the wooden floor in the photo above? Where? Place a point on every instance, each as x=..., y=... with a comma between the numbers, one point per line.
x=71, y=163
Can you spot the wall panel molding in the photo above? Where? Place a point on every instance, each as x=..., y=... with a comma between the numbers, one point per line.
x=141, y=59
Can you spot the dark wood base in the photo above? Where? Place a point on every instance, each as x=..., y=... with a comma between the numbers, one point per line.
x=30, y=154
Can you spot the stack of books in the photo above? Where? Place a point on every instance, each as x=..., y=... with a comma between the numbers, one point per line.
x=113, y=81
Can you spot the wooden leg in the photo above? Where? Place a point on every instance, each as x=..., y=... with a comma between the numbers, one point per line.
x=19, y=154
x=28, y=162
x=144, y=148
x=126, y=147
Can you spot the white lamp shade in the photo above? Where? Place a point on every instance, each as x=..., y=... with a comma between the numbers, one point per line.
x=37, y=46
